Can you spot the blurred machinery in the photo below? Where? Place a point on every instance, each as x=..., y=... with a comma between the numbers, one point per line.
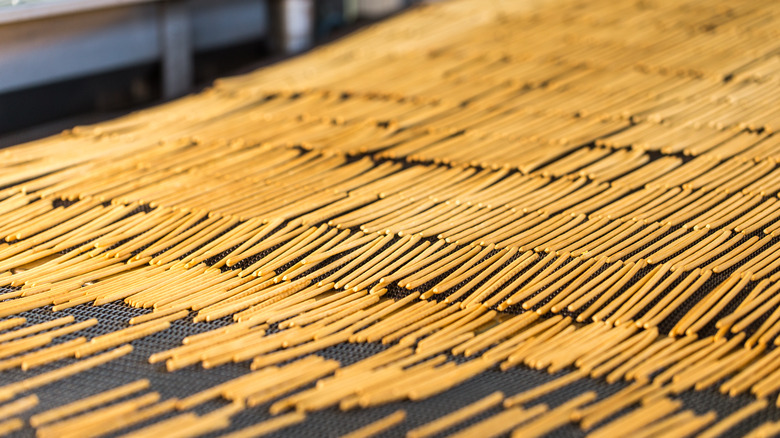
x=148, y=48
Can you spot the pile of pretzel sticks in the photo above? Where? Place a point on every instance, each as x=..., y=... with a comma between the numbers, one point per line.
x=463, y=195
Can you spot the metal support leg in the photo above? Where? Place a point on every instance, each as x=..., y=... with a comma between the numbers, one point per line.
x=292, y=23
x=176, y=41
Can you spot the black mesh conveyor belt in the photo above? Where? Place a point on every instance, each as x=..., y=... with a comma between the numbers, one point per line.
x=331, y=422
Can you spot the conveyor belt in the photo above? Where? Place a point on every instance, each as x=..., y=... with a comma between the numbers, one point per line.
x=572, y=203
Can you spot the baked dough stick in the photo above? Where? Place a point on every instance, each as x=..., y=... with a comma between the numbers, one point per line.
x=554, y=418
x=268, y=426
x=456, y=417
x=87, y=403
x=378, y=426
x=9, y=391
